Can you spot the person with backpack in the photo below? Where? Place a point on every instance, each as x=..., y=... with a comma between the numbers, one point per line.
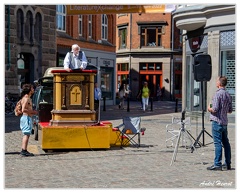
x=26, y=119
x=75, y=59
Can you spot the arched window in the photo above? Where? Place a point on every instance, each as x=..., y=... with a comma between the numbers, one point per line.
x=61, y=17
x=38, y=28
x=20, y=24
x=29, y=26
x=104, y=27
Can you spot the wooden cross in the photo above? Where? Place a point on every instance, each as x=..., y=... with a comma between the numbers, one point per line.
x=76, y=94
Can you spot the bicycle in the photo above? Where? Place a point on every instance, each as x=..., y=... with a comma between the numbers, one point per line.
x=9, y=106
x=10, y=103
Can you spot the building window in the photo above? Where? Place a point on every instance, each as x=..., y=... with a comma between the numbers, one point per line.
x=228, y=70
x=123, y=67
x=193, y=92
x=80, y=25
x=178, y=79
x=29, y=26
x=90, y=26
x=104, y=27
x=20, y=24
x=151, y=36
x=122, y=38
x=61, y=17
x=122, y=74
x=38, y=28
x=150, y=66
x=107, y=82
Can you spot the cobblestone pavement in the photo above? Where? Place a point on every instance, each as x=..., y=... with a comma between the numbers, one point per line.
x=147, y=167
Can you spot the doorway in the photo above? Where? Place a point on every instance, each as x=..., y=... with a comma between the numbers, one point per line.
x=25, y=64
x=154, y=80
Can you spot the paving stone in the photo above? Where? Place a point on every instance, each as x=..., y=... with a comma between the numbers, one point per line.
x=129, y=167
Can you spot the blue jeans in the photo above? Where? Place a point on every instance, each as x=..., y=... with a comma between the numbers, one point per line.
x=220, y=138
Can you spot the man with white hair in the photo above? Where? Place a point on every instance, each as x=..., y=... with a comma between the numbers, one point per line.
x=75, y=59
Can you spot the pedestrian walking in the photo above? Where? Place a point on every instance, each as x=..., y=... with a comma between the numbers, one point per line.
x=123, y=92
x=145, y=93
x=220, y=107
x=26, y=118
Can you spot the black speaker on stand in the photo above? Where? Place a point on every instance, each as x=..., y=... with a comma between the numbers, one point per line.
x=202, y=68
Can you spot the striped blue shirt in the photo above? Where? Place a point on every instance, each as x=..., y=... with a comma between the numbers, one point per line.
x=221, y=104
x=97, y=94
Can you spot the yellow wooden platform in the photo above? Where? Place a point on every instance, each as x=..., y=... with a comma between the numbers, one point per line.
x=74, y=119
x=74, y=137
x=102, y=136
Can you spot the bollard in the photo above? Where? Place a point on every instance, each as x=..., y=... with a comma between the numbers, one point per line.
x=151, y=103
x=104, y=103
x=176, y=106
x=128, y=105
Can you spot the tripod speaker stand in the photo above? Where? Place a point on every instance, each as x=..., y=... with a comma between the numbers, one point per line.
x=181, y=132
x=203, y=129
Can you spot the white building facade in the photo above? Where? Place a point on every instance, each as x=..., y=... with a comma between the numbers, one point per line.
x=207, y=29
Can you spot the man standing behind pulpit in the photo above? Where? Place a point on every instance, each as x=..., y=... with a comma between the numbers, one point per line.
x=75, y=59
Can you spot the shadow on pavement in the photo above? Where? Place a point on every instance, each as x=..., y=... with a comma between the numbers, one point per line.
x=112, y=112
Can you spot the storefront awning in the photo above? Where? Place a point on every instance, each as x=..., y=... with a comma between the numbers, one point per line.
x=118, y=9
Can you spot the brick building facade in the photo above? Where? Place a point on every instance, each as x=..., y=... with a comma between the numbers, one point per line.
x=148, y=49
x=133, y=47
x=30, y=43
x=38, y=37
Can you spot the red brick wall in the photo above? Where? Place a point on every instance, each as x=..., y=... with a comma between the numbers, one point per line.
x=72, y=23
x=166, y=38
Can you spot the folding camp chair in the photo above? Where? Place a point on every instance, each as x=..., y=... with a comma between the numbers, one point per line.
x=131, y=128
x=173, y=129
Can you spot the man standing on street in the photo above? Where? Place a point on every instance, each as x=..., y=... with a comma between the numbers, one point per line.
x=26, y=119
x=97, y=95
x=221, y=105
